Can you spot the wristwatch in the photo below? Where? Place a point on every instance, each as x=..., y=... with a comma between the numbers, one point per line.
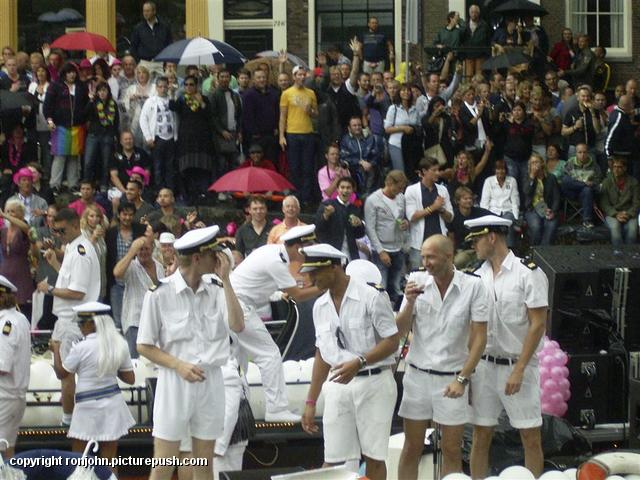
x=363, y=361
x=462, y=380
x=50, y=289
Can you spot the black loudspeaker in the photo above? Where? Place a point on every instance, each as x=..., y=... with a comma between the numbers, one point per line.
x=634, y=413
x=598, y=387
x=262, y=474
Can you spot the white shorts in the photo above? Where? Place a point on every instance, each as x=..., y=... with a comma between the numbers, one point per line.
x=11, y=412
x=357, y=417
x=184, y=409
x=423, y=399
x=66, y=332
x=488, y=398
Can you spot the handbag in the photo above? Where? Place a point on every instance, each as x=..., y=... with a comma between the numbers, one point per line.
x=227, y=147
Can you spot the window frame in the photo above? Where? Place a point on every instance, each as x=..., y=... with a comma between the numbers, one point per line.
x=621, y=54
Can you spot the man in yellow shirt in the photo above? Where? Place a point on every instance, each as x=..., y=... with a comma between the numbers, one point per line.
x=297, y=105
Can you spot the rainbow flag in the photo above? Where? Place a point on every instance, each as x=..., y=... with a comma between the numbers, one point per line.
x=68, y=141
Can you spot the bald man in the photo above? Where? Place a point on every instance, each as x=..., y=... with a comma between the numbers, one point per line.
x=448, y=311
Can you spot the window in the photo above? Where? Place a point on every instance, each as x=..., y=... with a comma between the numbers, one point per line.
x=337, y=21
x=42, y=21
x=243, y=9
x=129, y=14
x=607, y=22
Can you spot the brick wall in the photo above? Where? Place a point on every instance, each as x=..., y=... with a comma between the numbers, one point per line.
x=298, y=27
x=621, y=70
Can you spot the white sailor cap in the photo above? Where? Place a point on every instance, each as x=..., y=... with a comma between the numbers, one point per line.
x=88, y=310
x=167, y=237
x=299, y=234
x=320, y=255
x=199, y=240
x=484, y=225
x=364, y=270
x=6, y=286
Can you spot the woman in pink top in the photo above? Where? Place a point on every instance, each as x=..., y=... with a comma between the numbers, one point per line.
x=329, y=175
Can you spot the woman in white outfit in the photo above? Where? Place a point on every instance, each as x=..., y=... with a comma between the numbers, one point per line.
x=100, y=411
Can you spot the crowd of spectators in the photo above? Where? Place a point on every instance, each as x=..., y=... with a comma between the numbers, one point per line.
x=137, y=142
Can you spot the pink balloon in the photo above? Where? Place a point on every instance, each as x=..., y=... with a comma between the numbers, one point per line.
x=550, y=386
x=556, y=373
x=555, y=344
x=556, y=397
x=545, y=374
x=546, y=408
x=561, y=358
x=562, y=409
x=566, y=395
x=564, y=384
x=565, y=370
x=547, y=361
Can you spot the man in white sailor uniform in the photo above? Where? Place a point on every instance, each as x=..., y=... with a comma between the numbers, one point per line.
x=78, y=282
x=448, y=311
x=184, y=329
x=260, y=275
x=356, y=337
x=15, y=362
x=507, y=377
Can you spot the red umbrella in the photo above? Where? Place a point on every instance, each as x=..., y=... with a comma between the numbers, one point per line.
x=251, y=179
x=83, y=41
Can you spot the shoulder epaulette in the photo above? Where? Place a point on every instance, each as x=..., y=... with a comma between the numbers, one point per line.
x=530, y=264
x=473, y=274
x=377, y=286
x=217, y=282
x=153, y=288
x=284, y=260
x=6, y=330
x=82, y=250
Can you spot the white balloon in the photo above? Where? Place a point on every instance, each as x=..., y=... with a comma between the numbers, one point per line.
x=457, y=476
x=553, y=475
x=571, y=473
x=516, y=472
x=632, y=476
x=615, y=477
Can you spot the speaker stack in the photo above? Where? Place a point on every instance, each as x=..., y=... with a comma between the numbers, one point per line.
x=595, y=317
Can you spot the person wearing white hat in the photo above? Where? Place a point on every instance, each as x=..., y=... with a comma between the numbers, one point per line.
x=78, y=282
x=260, y=275
x=100, y=412
x=507, y=377
x=448, y=312
x=167, y=252
x=15, y=361
x=354, y=350
x=184, y=329
x=139, y=271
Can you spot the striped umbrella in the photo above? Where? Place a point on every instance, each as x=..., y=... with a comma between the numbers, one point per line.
x=200, y=51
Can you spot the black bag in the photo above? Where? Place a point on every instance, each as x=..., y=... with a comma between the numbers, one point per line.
x=436, y=64
x=245, y=428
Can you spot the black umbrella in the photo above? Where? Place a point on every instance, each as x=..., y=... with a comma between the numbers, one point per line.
x=520, y=8
x=506, y=60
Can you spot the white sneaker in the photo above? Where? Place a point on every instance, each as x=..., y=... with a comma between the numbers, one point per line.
x=282, y=416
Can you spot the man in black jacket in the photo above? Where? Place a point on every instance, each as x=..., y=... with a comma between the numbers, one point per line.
x=621, y=140
x=339, y=222
x=150, y=36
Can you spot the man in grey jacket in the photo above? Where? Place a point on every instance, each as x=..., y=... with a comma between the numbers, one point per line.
x=384, y=215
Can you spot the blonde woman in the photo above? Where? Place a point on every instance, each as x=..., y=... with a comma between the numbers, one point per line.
x=93, y=225
x=15, y=265
x=133, y=100
x=542, y=202
x=100, y=412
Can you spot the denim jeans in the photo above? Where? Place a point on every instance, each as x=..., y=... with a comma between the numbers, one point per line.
x=163, y=155
x=301, y=158
x=391, y=275
x=131, y=335
x=97, y=154
x=575, y=190
x=622, y=232
x=115, y=295
x=541, y=230
x=519, y=171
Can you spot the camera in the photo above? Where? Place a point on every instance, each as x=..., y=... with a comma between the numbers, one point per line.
x=344, y=164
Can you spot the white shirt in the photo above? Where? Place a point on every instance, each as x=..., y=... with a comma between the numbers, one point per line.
x=398, y=116
x=261, y=274
x=193, y=327
x=482, y=135
x=365, y=316
x=413, y=202
x=83, y=360
x=512, y=291
x=501, y=199
x=15, y=354
x=136, y=284
x=80, y=271
x=441, y=326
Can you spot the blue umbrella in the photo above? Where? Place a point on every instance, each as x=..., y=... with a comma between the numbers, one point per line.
x=200, y=51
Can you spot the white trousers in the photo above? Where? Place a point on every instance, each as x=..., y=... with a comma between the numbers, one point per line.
x=260, y=348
